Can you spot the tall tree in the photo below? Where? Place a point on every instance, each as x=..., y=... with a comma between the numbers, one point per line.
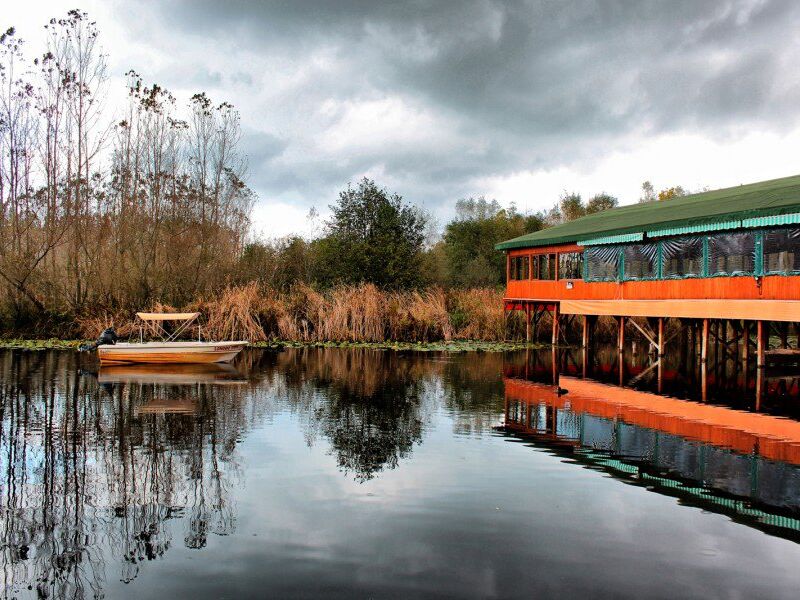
x=373, y=236
x=469, y=240
x=600, y=202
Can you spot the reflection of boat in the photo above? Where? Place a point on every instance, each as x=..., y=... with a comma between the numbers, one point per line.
x=178, y=374
x=160, y=406
x=167, y=350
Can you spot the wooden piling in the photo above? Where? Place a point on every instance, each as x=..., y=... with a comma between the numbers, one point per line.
x=660, y=336
x=528, y=332
x=555, y=324
x=760, y=350
x=704, y=343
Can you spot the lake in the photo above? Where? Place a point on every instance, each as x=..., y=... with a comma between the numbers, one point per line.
x=376, y=474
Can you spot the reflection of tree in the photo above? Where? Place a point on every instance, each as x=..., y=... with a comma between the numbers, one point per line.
x=89, y=475
x=370, y=409
x=374, y=404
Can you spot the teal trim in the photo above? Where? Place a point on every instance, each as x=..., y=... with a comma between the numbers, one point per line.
x=705, y=270
x=585, y=267
x=660, y=259
x=663, y=232
x=613, y=239
x=759, y=250
x=621, y=265
x=771, y=220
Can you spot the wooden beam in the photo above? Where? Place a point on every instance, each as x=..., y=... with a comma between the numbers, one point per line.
x=761, y=329
x=704, y=343
x=660, y=341
x=767, y=310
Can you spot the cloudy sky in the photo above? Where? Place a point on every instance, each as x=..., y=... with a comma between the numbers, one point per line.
x=440, y=100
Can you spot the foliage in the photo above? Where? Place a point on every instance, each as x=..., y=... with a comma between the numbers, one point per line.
x=671, y=192
x=468, y=241
x=373, y=236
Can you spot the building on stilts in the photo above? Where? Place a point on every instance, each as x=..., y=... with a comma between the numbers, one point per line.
x=724, y=264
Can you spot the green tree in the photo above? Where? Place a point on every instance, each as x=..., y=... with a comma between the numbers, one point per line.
x=373, y=236
x=600, y=202
x=470, y=237
x=570, y=206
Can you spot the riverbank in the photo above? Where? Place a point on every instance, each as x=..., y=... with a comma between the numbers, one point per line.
x=440, y=346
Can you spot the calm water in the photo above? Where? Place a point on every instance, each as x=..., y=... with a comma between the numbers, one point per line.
x=361, y=473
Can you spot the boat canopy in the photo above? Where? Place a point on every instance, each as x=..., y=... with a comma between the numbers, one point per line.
x=154, y=316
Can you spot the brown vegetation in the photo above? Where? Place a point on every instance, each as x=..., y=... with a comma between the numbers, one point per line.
x=361, y=313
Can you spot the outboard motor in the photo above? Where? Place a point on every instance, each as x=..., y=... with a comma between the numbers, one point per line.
x=107, y=338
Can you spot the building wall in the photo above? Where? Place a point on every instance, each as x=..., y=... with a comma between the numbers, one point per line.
x=769, y=287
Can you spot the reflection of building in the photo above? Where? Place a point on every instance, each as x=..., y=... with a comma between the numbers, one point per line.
x=725, y=460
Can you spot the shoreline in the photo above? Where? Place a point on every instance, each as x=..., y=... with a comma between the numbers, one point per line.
x=439, y=346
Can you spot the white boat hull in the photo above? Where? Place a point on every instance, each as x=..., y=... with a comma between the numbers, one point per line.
x=169, y=352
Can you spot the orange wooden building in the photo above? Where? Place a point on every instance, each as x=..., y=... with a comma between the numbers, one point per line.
x=731, y=254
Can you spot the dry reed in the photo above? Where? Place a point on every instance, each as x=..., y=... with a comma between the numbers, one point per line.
x=361, y=313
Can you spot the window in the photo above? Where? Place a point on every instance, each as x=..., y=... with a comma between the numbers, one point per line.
x=519, y=267
x=732, y=253
x=641, y=261
x=683, y=257
x=782, y=251
x=602, y=263
x=570, y=265
x=544, y=266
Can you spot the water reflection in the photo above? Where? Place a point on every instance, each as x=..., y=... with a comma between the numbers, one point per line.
x=96, y=469
x=712, y=454
x=125, y=463
x=316, y=461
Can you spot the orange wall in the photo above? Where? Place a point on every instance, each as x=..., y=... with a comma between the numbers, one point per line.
x=772, y=287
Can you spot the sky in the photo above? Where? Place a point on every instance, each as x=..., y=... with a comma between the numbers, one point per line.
x=441, y=100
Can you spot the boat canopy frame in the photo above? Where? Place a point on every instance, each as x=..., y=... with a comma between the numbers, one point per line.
x=156, y=320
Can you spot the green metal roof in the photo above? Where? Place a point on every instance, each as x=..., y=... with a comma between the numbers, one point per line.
x=707, y=209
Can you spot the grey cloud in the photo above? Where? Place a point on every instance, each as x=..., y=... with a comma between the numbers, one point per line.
x=533, y=82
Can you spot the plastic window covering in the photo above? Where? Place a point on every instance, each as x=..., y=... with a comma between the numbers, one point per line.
x=682, y=257
x=602, y=263
x=570, y=265
x=732, y=253
x=781, y=251
x=640, y=261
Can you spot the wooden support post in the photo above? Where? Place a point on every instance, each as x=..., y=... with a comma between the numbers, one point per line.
x=555, y=324
x=704, y=343
x=660, y=375
x=528, y=332
x=660, y=337
x=585, y=336
x=760, y=350
x=704, y=381
x=745, y=342
x=784, y=330
x=759, y=387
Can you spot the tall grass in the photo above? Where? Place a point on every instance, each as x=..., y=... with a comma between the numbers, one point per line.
x=361, y=313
